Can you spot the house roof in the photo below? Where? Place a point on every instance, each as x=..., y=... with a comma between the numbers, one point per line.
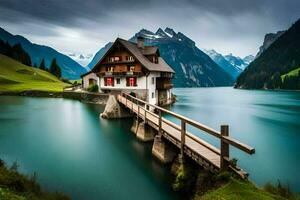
x=140, y=54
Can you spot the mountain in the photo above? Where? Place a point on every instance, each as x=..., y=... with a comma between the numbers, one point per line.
x=281, y=57
x=232, y=70
x=99, y=55
x=236, y=61
x=248, y=59
x=82, y=59
x=192, y=66
x=70, y=68
x=268, y=40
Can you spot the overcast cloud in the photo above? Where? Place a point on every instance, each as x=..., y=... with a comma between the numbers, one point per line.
x=228, y=26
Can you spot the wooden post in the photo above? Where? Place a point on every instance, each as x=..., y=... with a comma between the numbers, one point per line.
x=138, y=111
x=159, y=122
x=224, y=147
x=182, y=141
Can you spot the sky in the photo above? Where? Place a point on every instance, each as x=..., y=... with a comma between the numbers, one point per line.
x=84, y=26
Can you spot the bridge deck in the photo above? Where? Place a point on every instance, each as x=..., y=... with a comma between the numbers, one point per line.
x=202, y=148
x=199, y=150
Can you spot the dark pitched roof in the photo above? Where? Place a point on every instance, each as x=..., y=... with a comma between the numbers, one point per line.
x=149, y=50
x=139, y=54
x=161, y=66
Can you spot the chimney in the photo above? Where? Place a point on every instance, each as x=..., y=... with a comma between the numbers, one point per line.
x=140, y=42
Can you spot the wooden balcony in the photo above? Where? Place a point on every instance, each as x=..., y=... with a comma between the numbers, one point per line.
x=121, y=73
x=118, y=62
x=164, y=86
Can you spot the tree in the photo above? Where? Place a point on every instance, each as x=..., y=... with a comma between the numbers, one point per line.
x=55, y=69
x=19, y=54
x=42, y=65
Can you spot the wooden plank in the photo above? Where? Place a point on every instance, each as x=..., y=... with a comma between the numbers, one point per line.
x=246, y=148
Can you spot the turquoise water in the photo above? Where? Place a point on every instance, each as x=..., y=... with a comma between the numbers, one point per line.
x=266, y=120
x=75, y=152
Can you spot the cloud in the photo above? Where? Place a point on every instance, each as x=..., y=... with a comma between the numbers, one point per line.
x=228, y=26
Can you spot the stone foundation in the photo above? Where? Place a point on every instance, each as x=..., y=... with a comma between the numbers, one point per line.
x=162, y=151
x=114, y=110
x=145, y=132
x=134, y=126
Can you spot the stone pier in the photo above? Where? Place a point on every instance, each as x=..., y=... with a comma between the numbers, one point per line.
x=162, y=150
x=143, y=131
x=114, y=110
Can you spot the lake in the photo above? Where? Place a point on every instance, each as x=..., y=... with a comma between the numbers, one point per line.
x=269, y=121
x=75, y=152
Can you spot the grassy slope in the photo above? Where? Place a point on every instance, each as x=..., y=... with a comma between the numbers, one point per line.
x=15, y=76
x=237, y=189
x=291, y=73
x=9, y=195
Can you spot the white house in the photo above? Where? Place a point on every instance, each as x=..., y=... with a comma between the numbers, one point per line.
x=133, y=68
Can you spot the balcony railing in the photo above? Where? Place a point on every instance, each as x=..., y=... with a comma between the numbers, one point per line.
x=118, y=62
x=128, y=73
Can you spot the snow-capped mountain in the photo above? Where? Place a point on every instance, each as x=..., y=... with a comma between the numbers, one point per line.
x=192, y=66
x=82, y=59
x=232, y=70
x=248, y=59
x=236, y=61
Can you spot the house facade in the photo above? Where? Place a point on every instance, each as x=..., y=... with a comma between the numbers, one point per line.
x=133, y=68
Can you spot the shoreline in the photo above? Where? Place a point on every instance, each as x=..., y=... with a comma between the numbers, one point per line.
x=86, y=97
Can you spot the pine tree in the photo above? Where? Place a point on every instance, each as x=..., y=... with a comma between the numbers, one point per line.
x=42, y=65
x=55, y=69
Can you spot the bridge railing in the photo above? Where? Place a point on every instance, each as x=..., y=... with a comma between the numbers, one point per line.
x=222, y=135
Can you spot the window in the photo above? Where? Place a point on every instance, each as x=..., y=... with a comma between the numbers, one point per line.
x=131, y=81
x=110, y=69
x=129, y=58
x=153, y=95
x=118, y=80
x=114, y=59
x=131, y=68
x=153, y=80
x=108, y=81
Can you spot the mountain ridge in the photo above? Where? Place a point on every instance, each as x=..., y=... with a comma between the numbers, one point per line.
x=70, y=68
x=233, y=65
x=281, y=57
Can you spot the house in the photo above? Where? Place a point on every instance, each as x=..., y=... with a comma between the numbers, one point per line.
x=133, y=68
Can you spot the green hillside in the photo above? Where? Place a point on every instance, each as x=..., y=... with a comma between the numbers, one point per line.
x=15, y=76
x=238, y=189
x=280, y=58
x=294, y=72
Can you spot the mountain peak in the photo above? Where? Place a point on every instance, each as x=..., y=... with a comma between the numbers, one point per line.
x=160, y=32
x=170, y=31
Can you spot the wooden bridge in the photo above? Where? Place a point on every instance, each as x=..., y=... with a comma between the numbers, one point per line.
x=207, y=155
